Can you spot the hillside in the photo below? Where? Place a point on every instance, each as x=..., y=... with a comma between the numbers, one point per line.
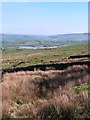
x=13, y=37
x=16, y=40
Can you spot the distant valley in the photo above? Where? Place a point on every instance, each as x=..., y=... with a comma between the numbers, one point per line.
x=16, y=41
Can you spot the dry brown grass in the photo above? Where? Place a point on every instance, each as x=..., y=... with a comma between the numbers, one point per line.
x=46, y=95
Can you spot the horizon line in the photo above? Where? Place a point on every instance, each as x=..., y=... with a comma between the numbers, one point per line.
x=45, y=35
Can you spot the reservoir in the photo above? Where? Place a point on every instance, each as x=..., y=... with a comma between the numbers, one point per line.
x=38, y=47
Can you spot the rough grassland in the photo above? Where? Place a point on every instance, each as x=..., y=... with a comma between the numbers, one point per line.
x=46, y=95
x=11, y=58
x=50, y=95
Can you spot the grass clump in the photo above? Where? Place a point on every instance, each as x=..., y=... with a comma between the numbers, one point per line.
x=47, y=95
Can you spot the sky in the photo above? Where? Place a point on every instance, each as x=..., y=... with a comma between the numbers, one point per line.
x=44, y=18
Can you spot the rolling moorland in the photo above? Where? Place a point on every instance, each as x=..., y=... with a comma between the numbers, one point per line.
x=15, y=40
x=49, y=94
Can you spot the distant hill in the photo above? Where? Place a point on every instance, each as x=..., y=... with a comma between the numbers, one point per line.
x=73, y=37
x=14, y=37
x=16, y=40
x=60, y=37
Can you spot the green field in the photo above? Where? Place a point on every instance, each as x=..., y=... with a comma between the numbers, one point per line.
x=12, y=57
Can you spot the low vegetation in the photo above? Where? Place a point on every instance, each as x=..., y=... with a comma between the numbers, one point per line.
x=47, y=95
x=11, y=58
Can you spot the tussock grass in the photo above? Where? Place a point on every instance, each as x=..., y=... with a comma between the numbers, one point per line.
x=52, y=94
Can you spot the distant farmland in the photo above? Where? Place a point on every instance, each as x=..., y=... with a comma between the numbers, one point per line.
x=13, y=57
